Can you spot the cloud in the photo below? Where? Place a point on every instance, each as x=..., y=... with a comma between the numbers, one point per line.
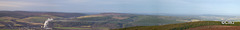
x=21, y=4
x=131, y=6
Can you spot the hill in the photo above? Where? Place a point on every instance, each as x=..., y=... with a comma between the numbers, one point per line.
x=16, y=19
x=179, y=26
x=21, y=19
x=118, y=20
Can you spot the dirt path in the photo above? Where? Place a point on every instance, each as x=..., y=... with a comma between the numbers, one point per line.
x=216, y=27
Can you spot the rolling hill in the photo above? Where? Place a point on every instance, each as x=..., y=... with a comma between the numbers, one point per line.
x=119, y=20
x=20, y=19
x=183, y=26
x=114, y=21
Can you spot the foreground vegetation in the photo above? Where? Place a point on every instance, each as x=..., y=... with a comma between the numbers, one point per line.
x=71, y=28
x=79, y=28
x=179, y=26
x=8, y=29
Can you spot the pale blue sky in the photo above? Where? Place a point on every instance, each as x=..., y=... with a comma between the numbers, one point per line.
x=220, y=7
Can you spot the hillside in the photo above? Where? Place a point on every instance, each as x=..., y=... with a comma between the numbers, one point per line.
x=118, y=20
x=66, y=21
x=19, y=19
x=179, y=26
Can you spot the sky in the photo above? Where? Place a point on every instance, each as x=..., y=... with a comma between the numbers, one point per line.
x=220, y=7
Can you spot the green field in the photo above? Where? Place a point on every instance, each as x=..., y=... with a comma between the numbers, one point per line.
x=8, y=29
x=102, y=28
x=70, y=28
x=179, y=26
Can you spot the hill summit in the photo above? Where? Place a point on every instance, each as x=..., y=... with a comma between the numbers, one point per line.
x=201, y=25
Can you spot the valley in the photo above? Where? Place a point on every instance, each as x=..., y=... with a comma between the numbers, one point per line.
x=103, y=21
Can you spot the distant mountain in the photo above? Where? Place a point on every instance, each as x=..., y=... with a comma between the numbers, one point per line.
x=122, y=20
x=107, y=20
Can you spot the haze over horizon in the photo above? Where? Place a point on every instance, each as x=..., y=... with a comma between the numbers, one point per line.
x=193, y=7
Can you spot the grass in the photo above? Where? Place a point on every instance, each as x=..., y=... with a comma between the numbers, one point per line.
x=153, y=20
x=1, y=25
x=103, y=28
x=8, y=29
x=179, y=26
x=100, y=28
x=18, y=25
x=70, y=28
